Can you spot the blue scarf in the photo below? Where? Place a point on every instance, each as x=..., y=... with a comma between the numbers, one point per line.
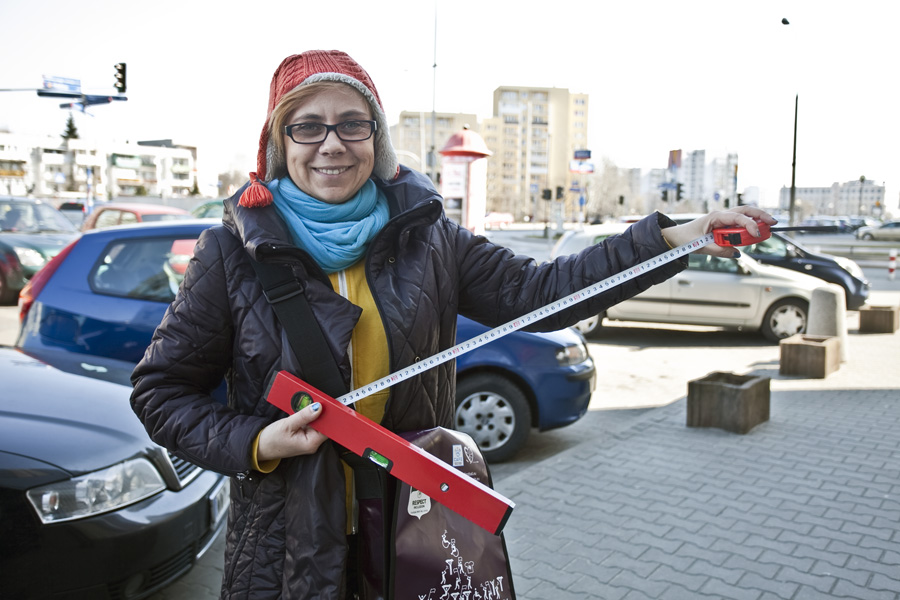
x=336, y=235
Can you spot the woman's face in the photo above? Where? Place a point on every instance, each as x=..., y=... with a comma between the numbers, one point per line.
x=333, y=170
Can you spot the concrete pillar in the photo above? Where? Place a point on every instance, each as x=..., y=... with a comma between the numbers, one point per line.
x=827, y=315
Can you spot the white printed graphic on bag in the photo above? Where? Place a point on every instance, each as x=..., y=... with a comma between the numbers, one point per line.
x=419, y=504
x=458, y=455
x=456, y=579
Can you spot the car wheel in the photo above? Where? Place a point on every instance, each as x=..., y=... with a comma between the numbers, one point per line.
x=494, y=412
x=590, y=327
x=868, y=237
x=785, y=318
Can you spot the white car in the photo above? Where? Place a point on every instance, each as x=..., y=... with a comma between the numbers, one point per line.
x=889, y=231
x=723, y=292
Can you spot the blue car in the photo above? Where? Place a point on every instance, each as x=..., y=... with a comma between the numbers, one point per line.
x=105, y=293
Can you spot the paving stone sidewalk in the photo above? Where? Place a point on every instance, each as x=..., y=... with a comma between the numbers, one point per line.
x=805, y=506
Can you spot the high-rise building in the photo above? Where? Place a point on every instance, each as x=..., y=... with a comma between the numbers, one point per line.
x=533, y=134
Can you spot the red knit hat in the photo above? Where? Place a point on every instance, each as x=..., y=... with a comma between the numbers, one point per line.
x=304, y=69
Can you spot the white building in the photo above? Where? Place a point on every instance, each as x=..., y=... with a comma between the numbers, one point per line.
x=857, y=197
x=49, y=167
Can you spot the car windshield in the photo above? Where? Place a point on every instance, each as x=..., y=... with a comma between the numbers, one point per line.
x=28, y=217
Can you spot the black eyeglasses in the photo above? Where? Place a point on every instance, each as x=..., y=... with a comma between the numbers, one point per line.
x=315, y=133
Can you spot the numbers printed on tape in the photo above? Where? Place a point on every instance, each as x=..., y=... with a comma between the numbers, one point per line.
x=524, y=321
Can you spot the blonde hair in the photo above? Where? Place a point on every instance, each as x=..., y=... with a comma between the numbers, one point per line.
x=283, y=111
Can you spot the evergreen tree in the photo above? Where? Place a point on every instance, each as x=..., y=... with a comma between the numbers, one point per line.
x=71, y=132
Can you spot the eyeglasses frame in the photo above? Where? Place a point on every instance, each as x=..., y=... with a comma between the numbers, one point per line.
x=329, y=128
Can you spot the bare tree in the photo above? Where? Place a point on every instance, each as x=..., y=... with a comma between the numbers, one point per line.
x=231, y=181
x=605, y=189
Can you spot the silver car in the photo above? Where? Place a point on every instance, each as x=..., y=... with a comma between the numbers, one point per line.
x=722, y=292
x=887, y=232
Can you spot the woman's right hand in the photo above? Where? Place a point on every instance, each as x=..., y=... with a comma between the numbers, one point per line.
x=291, y=436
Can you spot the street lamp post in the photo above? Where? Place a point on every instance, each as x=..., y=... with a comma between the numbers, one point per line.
x=794, y=165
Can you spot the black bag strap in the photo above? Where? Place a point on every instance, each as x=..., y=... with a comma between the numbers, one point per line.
x=284, y=292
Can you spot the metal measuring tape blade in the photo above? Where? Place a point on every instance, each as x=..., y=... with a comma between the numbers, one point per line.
x=525, y=320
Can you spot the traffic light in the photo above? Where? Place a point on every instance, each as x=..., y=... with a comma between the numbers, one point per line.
x=120, y=78
x=679, y=195
x=621, y=200
x=727, y=202
x=559, y=192
x=547, y=194
x=665, y=195
x=740, y=199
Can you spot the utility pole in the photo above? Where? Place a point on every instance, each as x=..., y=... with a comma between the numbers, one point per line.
x=862, y=182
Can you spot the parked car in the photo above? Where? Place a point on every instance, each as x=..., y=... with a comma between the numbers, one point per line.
x=31, y=233
x=887, y=232
x=857, y=221
x=105, y=294
x=498, y=220
x=783, y=251
x=90, y=507
x=109, y=214
x=209, y=210
x=722, y=292
x=74, y=212
x=523, y=380
x=821, y=224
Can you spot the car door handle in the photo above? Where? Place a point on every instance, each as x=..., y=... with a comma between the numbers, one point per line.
x=684, y=282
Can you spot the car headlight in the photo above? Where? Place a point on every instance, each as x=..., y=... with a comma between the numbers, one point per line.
x=850, y=266
x=97, y=492
x=572, y=355
x=29, y=257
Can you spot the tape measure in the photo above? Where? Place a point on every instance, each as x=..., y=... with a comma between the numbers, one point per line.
x=525, y=320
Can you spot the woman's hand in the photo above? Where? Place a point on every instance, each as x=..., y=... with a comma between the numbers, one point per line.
x=291, y=436
x=742, y=216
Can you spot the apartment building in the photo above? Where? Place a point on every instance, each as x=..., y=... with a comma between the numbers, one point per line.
x=533, y=134
x=47, y=167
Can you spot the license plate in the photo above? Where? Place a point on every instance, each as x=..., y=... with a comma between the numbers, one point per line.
x=218, y=501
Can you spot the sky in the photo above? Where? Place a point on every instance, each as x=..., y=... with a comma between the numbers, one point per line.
x=714, y=75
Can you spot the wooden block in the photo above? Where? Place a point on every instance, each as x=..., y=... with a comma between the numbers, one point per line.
x=879, y=319
x=810, y=355
x=735, y=403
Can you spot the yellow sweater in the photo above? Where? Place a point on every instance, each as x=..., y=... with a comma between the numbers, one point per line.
x=369, y=360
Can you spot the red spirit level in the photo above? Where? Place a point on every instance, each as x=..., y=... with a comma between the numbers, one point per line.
x=431, y=476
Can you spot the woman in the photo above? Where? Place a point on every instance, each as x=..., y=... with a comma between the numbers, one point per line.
x=385, y=274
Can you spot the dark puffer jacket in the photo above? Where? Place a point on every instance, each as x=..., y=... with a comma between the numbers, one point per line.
x=286, y=534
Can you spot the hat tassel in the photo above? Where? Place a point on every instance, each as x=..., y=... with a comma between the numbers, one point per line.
x=256, y=195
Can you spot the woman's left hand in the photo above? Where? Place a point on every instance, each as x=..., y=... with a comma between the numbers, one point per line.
x=742, y=216
x=291, y=436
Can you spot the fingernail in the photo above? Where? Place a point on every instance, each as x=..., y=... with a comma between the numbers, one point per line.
x=315, y=406
x=736, y=254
